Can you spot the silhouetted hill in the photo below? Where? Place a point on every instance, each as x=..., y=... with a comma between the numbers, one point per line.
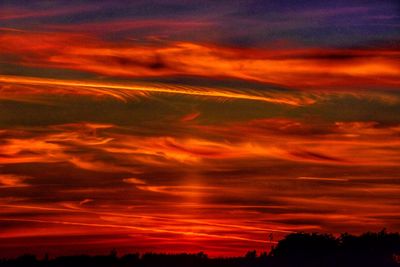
x=380, y=249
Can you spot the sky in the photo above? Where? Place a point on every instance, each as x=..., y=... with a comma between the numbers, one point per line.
x=187, y=126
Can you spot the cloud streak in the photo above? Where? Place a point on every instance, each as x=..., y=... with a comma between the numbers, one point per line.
x=204, y=92
x=313, y=69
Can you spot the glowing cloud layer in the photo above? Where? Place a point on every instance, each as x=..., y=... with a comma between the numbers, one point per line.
x=169, y=127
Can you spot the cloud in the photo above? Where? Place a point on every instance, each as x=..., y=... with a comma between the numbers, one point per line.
x=11, y=180
x=329, y=179
x=114, y=89
x=133, y=180
x=318, y=68
x=190, y=116
x=18, y=12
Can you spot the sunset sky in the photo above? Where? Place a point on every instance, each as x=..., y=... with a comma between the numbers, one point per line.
x=187, y=126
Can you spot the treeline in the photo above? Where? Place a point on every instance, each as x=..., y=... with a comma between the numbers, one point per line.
x=380, y=249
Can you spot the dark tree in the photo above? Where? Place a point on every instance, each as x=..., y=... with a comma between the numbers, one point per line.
x=370, y=249
x=380, y=249
x=302, y=249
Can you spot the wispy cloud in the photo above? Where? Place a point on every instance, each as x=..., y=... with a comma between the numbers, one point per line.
x=108, y=88
x=298, y=69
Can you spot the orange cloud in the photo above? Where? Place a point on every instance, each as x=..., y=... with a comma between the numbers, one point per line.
x=10, y=180
x=190, y=117
x=188, y=180
x=133, y=180
x=113, y=88
x=282, y=139
x=315, y=69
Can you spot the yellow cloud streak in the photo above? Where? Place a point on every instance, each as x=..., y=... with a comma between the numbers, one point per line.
x=206, y=92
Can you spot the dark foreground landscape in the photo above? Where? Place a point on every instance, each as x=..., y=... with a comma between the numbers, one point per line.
x=299, y=249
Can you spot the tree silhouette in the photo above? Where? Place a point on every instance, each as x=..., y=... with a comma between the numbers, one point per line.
x=302, y=249
x=379, y=249
x=370, y=249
